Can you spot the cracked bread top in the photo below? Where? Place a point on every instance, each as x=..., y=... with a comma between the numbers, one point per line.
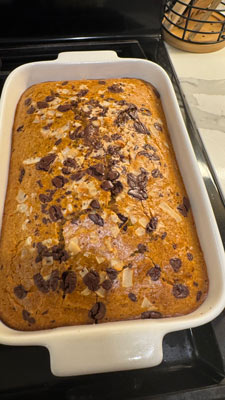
x=97, y=225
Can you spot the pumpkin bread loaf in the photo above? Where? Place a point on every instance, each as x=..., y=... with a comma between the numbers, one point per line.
x=97, y=225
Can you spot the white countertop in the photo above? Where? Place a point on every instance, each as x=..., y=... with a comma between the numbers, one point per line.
x=202, y=78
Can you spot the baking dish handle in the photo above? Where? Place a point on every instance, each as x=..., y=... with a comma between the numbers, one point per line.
x=96, y=352
x=87, y=56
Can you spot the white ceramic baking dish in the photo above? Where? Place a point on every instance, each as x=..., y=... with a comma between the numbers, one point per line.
x=128, y=344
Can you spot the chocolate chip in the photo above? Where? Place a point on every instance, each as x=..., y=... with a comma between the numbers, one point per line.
x=107, y=284
x=64, y=83
x=78, y=133
x=115, y=88
x=190, y=256
x=42, y=104
x=64, y=107
x=116, y=136
x=82, y=92
x=95, y=204
x=112, y=175
x=145, y=111
x=97, y=219
x=198, y=295
x=184, y=208
x=156, y=173
x=132, y=296
x=97, y=171
x=30, y=110
x=92, y=280
x=27, y=317
x=141, y=128
x=106, y=185
x=102, y=82
x=49, y=98
x=132, y=181
x=138, y=194
x=69, y=281
x=44, y=198
x=27, y=102
x=55, y=213
x=45, y=162
x=48, y=126
x=180, y=291
x=70, y=162
x=154, y=273
x=142, y=179
x=117, y=188
x=122, y=217
x=66, y=171
x=20, y=128
x=22, y=173
x=77, y=176
x=59, y=181
x=158, y=126
x=112, y=273
x=163, y=235
x=151, y=314
x=98, y=311
x=41, y=284
x=40, y=183
x=54, y=280
x=186, y=203
x=175, y=264
x=142, y=248
x=20, y=292
x=152, y=225
x=59, y=253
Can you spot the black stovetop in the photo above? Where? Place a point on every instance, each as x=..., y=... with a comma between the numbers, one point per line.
x=193, y=364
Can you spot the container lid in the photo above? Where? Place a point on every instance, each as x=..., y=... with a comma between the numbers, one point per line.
x=40, y=20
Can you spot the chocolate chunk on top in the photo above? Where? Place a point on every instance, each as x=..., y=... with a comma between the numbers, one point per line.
x=55, y=213
x=98, y=311
x=97, y=219
x=180, y=291
x=20, y=292
x=107, y=284
x=132, y=297
x=95, y=204
x=42, y=104
x=190, y=256
x=27, y=317
x=115, y=88
x=175, y=263
x=45, y=162
x=92, y=280
x=112, y=273
x=142, y=248
x=151, y=314
x=22, y=173
x=154, y=273
x=59, y=181
x=64, y=107
x=69, y=281
x=152, y=225
x=41, y=284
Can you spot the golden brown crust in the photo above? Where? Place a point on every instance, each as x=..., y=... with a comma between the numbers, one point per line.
x=97, y=225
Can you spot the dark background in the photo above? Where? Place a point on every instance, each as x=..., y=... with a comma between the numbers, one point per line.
x=58, y=18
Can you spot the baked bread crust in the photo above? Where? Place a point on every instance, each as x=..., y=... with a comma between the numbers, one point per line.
x=97, y=226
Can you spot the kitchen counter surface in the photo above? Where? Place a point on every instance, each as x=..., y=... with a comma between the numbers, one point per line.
x=202, y=78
